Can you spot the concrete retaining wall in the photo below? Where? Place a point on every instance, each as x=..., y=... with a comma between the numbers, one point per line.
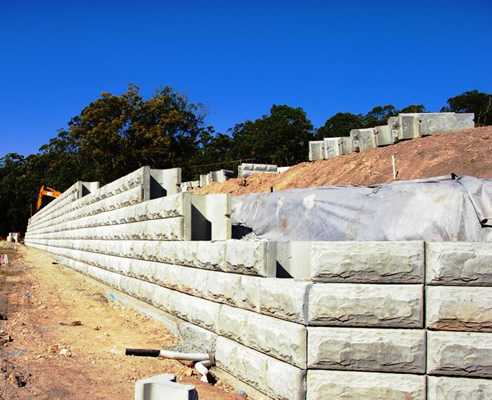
x=362, y=320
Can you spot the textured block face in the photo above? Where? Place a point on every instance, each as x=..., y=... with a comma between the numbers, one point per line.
x=283, y=298
x=459, y=354
x=440, y=388
x=459, y=308
x=390, y=306
x=277, y=338
x=251, y=258
x=459, y=263
x=364, y=385
x=273, y=377
x=367, y=262
x=383, y=350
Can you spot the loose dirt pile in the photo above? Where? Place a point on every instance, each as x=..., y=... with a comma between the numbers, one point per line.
x=466, y=152
x=62, y=338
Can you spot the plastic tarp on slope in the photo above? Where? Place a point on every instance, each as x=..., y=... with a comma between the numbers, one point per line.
x=434, y=209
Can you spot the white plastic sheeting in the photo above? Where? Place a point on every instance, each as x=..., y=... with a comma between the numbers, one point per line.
x=434, y=209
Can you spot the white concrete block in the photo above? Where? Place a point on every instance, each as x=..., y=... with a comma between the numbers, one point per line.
x=163, y=387
x=277, y=338
x=441, y=388
x=316, y=151
x=364, y=386
x=459, y=308
x=211, y=216
x=389, y=306
x=251, y=257
x=459, y=354
x=273, y=377
x=459, y=263
x=358, y=349
x=367, y=262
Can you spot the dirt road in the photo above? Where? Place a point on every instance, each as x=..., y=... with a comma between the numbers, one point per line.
x=64, y=339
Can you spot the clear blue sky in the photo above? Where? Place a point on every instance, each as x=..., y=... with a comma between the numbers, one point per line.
x=236, y=57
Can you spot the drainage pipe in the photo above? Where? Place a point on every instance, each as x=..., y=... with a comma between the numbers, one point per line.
x=170, y=354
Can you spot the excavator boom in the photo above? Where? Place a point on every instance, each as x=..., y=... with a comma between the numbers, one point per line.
x=45, y=191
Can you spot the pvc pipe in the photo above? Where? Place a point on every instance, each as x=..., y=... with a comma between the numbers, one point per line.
x=169, y=354
x=202, y=367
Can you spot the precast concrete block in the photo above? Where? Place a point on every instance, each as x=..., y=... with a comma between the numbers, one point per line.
x=384, y=136
x=385, y=306
x=459, y=354
x=367, y=262
x=347, y=145
x=458, y=263
x=459, y=308
x=163, y=387
x=283, y=340
x=251, y=257
x=205, y=179
x=364, y=385
x=359, y=349
x=333, y=147
x=363, y=139
x=283, y=298
x=163, y=182
x=210, y=217
x=197, y=254
x=431, y=123
x=275, y=378
x=444, y=388
x=408, y=126
x=293, y=259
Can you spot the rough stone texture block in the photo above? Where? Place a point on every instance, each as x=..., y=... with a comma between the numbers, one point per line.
x=390, y=306
x=459, y=263
x=277, y=338
x=364, y=386
x=441, y=388
x=269, y=375
x=459, y=308
x=283, y=298
x=379, y=350
x=251, y=258
x=459, y=354
x=368, y=262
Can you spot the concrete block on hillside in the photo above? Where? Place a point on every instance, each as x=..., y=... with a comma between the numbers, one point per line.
x=316, y=150
x=367, y=262
x=333, y=147
x=459, y=308
x=347, y=145
x=210, y=217
x=408, y=126
x=363, y=139
x=248, y=169
x=251, y=257
x=431, y=123
x=293, y=259
x=388, y=306
x=205, y=179
x=441, y=388
x=364, y=385
x=163, y=387
x=162, y=182
x=459, y=263
x=283, y=340
x=377, y=350
x=384, y=136
x=459, y=354
x=275, y=378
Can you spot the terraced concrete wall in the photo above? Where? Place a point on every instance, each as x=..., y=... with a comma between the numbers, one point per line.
x=408, y=320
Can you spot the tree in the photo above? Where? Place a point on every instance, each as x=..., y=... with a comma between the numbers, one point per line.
x=280, y=138
x=379, y=115
x=414, y=108
x=340, y=125
x=475, y=102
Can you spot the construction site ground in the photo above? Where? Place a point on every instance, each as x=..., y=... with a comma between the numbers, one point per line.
x=62, y=338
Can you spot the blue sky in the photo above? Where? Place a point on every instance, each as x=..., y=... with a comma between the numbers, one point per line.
x=238, y=58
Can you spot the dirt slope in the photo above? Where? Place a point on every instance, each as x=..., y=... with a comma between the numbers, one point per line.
x=466, y=152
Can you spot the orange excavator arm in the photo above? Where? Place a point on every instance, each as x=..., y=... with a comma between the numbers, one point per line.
x=46, y=191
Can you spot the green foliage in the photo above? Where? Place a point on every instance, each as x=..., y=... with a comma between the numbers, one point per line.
x=472, y=102
x=340, y=125
x=415, y=108
x=379, y=116
x=280, y=138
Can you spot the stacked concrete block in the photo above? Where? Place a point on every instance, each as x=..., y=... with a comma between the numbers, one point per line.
x=363, y=139
x=431, y=123
x=459, y=320
x=248, y=169
x=384, y=136
x=316, y=150
x=333, y=147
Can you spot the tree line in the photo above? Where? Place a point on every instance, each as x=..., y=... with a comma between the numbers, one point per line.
x=115, y=135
